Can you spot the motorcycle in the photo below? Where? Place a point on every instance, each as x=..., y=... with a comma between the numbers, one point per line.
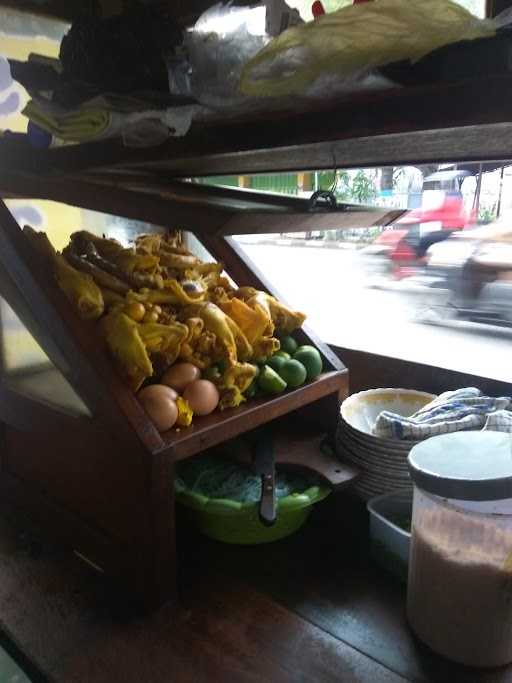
x=467, y=277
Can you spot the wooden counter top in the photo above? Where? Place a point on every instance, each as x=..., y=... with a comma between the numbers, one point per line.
x=311, y=608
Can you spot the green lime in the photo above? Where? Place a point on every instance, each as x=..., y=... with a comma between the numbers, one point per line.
x=282, y=354
x=212, y=373
x=260, y=361
x=270, y=382
x=276, y=363
x=310, y=359
x=251, y=390
x=288, y=344
x=293, y=373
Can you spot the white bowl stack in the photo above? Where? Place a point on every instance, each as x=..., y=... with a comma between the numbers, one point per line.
x=383, y=462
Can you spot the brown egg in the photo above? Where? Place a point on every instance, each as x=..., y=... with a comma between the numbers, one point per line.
x=202, y=396
x=180, y=375
x=159, y=403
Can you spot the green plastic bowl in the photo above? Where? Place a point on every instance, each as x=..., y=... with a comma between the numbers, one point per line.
x=232, y=522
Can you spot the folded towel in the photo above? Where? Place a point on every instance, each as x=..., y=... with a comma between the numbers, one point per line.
x=86, y=124
x=452, y=411
x=500, y=421
x=107, y=116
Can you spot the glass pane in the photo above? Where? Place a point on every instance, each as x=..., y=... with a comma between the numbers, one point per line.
x=27, y=369
x=25, y=363
x=433, y=285
x=195, y=246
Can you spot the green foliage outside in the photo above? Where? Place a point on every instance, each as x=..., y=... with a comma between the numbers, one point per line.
x=487, y=214
x=359, y=188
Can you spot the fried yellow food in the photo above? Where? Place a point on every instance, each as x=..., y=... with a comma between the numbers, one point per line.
x=173, y=293
x=256, y=323
x=127, y=347
x=284, y=319
x=231, y=397
x=148, y=244
x=179, y=261
x=199, y=346
x=239, y=375
x=236, y=378
x=79, y=288
x=130, y=263
x=185, y=412
x=159, y=303
x=165, y=340
x=101, y=277
x=232, y=344
x=131, y=344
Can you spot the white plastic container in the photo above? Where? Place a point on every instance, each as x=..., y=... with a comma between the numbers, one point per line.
x=389, y=541
x=459, y=598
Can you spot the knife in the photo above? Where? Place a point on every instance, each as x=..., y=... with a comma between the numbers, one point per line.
x=264, y=465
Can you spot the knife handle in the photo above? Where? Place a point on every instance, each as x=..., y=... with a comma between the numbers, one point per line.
x=268, y=514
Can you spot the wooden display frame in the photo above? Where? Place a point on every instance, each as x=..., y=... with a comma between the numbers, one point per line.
x=104, y=484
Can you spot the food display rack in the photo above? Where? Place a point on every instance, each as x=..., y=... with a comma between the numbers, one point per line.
x=103, y=483
x=102, y=480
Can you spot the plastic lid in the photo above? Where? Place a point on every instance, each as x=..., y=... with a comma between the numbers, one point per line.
x=464, y=465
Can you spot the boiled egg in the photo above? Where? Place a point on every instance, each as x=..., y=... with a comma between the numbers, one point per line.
x=202, y=396
x=159, y=403
x=180, y=375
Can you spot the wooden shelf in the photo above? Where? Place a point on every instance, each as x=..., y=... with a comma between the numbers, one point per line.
x=214, y=429
x=469, y=120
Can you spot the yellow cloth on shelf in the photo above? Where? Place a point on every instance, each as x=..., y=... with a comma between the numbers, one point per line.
x=78, y=126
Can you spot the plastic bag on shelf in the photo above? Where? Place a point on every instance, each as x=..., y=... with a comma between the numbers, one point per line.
x=504, y=19
x=343, y=47
x=222, y=41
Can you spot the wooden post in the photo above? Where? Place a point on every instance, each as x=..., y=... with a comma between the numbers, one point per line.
x=244, y=181
x=305, y=181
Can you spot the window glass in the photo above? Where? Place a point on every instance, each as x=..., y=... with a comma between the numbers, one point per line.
x=27, y=369
x=24, y=361
x=26, y=366
x=433, y=285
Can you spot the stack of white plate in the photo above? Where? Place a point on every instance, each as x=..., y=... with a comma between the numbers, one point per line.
x=383, y=462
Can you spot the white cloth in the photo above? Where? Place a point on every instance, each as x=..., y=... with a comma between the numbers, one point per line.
x=452, y=411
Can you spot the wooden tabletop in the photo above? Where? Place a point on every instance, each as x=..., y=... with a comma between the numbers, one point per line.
x=310, y=608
